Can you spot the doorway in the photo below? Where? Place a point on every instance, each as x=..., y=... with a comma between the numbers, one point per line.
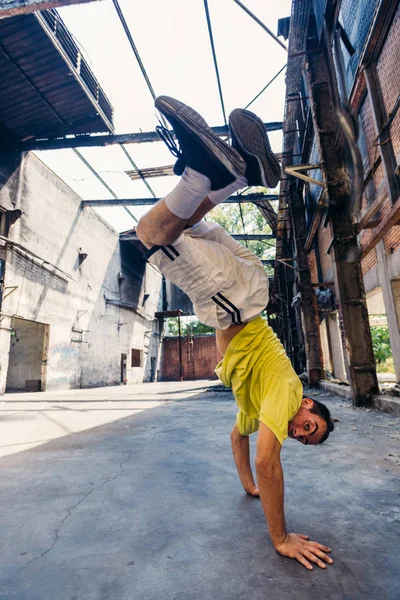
x=123, y=368
x=27, y=367
x=152, y=369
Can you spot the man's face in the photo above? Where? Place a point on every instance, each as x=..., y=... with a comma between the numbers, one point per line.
x=306, y=427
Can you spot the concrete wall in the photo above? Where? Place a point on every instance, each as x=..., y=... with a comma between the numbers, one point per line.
x=323, y=332
x=199, y=358
x=87, y=334
x=336, y=346
x=382, y=277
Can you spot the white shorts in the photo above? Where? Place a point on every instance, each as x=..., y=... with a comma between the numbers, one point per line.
x=225, y=281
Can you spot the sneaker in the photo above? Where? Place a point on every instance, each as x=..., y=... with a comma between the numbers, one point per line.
x=200, y=148
x=250, y=139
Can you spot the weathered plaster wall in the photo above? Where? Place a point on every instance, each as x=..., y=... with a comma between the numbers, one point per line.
x=87, y=334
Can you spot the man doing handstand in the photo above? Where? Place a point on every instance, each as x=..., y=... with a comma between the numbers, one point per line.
x=228, y=286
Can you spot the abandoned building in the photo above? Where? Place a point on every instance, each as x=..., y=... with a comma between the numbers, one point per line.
x=81, y=308
x=127, y=470
x=78, y=304
x=339, y=196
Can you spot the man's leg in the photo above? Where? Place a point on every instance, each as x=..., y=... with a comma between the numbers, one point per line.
x=214, y=169
x=204, y=263
x=206, y=163
x=185, y=206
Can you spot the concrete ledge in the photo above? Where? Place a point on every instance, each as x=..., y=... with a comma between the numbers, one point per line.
x=387, y=404
x=337, y=390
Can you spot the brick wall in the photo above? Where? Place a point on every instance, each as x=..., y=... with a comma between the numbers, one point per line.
x=369, y=261
x=199, y=358
x=392, y=240
x=389, y=76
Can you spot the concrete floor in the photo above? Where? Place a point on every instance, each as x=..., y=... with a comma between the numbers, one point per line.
x=139, y=499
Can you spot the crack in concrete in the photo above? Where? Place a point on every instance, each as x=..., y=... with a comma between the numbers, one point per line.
x=72, y=508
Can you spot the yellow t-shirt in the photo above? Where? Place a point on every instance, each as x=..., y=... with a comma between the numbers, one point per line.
x=263, y=382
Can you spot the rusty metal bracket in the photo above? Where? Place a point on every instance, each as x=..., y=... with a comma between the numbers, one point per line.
x=295, y=171
x=285, y=263
x=12, y=289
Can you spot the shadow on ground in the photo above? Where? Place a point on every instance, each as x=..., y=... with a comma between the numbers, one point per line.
x=149, y=507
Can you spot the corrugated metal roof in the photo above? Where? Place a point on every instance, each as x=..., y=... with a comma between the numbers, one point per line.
x=46, y=86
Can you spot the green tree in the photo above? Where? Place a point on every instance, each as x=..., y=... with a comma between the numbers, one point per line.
x=381, y=343
x=193, y=327
x=246, y=218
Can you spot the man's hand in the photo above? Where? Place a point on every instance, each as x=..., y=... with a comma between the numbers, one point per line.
x=296, y=545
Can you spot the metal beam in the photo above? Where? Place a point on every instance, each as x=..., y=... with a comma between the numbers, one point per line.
x=299, y=328
x=268, y=262
x=349, y=292
x=96, y=174
x=253, y=236
x=149, y=172
x=137, y=170
x=295, y=171
x=214, y=54
x=266, y=86
x=86, y=141
x=136, y=53
x=370, y=212
x=257, y=20
x=256, y=198
x=12, y=8
x=132, y=237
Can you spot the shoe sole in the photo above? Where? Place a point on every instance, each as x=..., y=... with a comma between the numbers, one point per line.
x=251, y=137
x=200, y=131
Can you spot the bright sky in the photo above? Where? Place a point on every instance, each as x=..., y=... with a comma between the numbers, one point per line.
x=172, y=39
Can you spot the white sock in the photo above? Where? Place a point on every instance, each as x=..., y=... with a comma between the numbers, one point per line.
x=219, y=196
x=188, y=194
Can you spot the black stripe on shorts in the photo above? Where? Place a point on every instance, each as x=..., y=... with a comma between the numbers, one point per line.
x=174, y=250
x=226, y=309
x=150, y=252
x=229, y=303
x=169, y=251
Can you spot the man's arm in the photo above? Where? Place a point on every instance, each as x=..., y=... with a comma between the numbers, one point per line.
x=241, y=454
x=271, y=486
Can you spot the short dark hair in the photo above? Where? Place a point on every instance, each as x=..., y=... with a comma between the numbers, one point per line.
x=321, y=410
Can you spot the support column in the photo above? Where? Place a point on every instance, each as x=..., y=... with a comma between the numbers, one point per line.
x=390, y=305
x=296, y=358
x=308, y=312
x=5, y=340
x=360, y=361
